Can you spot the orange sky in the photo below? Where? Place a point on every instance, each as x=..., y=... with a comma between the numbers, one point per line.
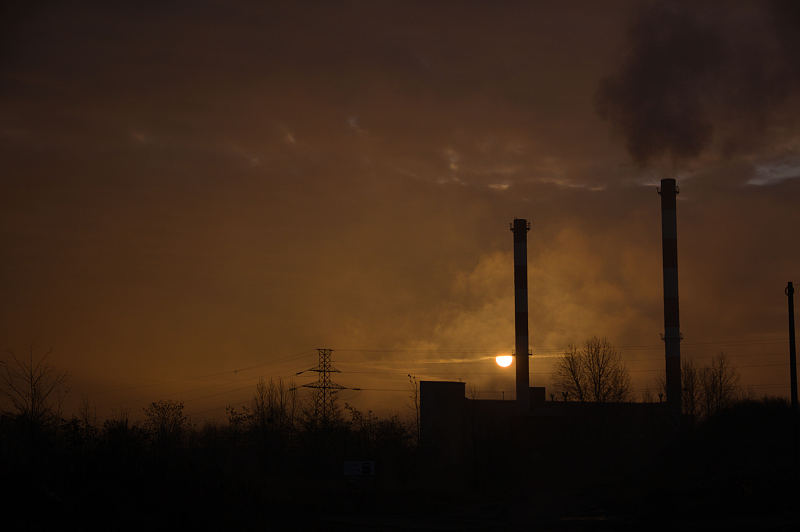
x=210, y=186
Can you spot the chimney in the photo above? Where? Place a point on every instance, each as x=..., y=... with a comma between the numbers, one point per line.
x=520, y=227
x=672, y=330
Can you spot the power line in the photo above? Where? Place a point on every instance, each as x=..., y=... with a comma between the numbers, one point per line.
x=542, y=350
x=384, y=390
x=234, y=371
x=388, y=372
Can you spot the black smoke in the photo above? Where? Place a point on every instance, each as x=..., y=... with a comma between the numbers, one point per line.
x=696, y=76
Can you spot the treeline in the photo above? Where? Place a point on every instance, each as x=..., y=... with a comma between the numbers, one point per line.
x=596, y=372
x=275, y=463
x=275, y=420
x=35, y=392
x=260, y=467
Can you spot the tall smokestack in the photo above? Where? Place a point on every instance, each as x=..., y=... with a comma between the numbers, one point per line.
x=672, y=329
x=520, y=227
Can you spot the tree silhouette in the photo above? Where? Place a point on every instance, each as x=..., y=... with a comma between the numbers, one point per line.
x=691, y=387
x=165, y=420
x=571, y=374
x=708, y=389
x=238, y=418
x=274, y=405
x=32, y=385
x=594, y=372
x=719, y=384
x=414, y=384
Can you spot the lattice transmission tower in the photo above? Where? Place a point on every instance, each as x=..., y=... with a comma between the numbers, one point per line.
x=325, y=388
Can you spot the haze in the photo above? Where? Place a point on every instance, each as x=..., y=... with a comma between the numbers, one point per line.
x=196, y=188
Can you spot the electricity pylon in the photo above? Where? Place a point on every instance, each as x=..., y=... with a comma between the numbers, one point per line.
x=325, y=388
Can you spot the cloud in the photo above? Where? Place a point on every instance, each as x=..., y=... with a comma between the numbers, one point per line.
x=352, y=123
x=697, y=75
x=453, y=159
x=565, y=183
x=774, y=172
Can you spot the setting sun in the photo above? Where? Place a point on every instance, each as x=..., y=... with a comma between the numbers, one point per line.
x=504, y=360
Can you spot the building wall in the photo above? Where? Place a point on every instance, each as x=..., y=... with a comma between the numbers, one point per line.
x=442, y=419
x=456, y=430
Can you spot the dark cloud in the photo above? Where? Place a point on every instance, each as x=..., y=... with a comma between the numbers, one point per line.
x=698, y=74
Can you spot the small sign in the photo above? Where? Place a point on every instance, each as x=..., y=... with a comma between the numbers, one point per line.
x=359, y=468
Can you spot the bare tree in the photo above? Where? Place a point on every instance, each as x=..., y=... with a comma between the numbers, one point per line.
x=690, y=388
x=595, y=372
x=261, y=415
x=647, y=396
x=34, y=387
x=118, y=425
x=707, y=389
x=571, y=374
x=238, y=418
x=165, y=420
x=87, y=415
x=414, y=384
x=274, y=405
x=364, y=424
x=719, y=385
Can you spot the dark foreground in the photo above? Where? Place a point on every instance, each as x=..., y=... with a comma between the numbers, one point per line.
x=735, y=470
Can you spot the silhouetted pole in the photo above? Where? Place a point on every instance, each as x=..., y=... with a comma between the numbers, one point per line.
x=792, y=348
x=793, y=379
x=520, y=227
x=672, y=329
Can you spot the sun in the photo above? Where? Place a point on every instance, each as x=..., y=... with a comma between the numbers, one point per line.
x=504, y=360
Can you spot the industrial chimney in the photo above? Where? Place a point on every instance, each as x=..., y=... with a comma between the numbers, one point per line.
x=520, y=227
x=672, y=330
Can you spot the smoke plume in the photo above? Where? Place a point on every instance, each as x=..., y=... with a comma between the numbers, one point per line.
x=697, y=76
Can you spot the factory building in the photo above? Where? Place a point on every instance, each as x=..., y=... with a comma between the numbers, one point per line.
x=455, y=430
